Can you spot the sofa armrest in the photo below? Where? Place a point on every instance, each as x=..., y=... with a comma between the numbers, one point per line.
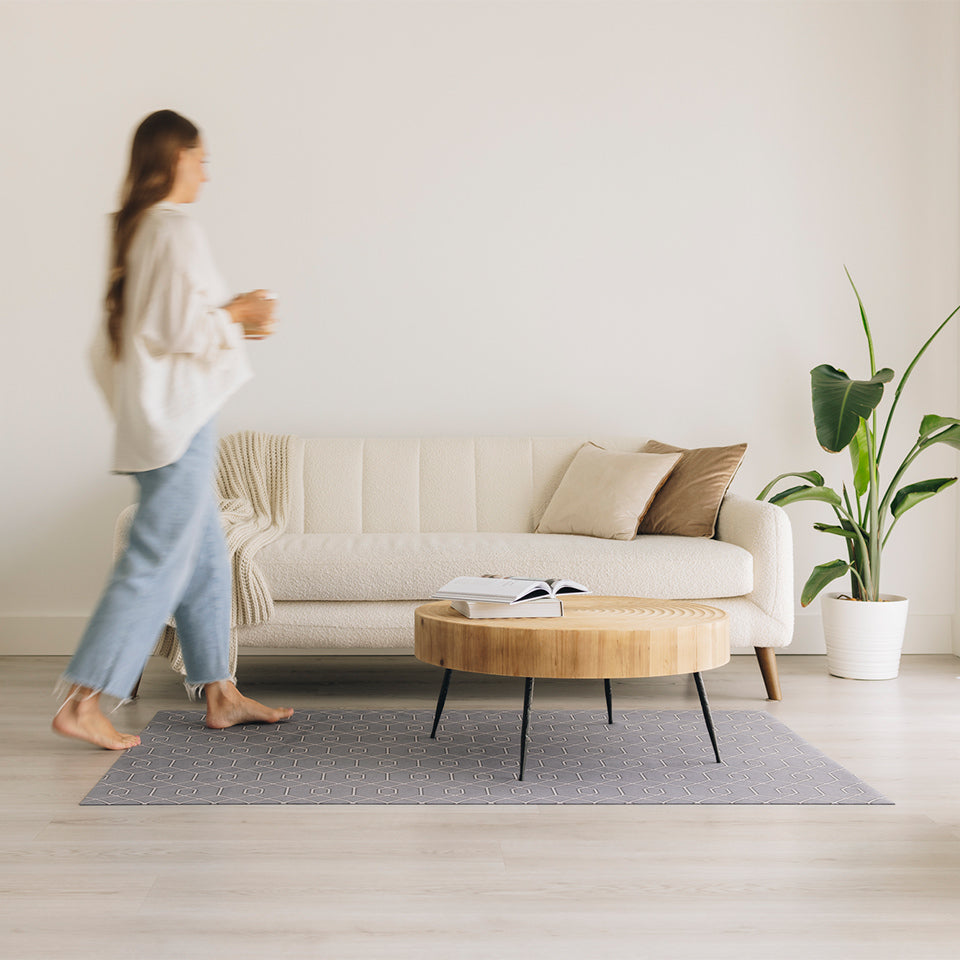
x=764, y=530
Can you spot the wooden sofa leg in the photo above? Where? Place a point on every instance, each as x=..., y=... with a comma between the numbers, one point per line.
x=768, y=667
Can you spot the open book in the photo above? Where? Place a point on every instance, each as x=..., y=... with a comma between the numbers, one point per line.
x=506, y=589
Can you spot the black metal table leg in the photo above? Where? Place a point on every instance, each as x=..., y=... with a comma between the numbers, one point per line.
x=444, y=686
x=706, y=714
x=527, y=697
x=609, y=695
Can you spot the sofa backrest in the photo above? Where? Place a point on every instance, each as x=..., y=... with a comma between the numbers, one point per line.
x=430, y=485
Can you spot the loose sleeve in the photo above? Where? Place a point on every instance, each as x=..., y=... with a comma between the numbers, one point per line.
x=178, y=315
x=102, y=364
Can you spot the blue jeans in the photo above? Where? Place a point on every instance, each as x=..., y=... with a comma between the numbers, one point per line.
x=176, y=562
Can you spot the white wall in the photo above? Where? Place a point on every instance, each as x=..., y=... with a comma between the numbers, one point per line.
x=496, y=218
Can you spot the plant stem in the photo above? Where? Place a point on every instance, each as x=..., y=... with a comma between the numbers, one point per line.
x=906, y=376
x=889, y=531
x=873, y=509
x=864, y=551
x=901, y=470
x=846, y=496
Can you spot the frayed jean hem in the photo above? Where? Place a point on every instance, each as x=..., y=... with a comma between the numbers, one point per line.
x=193, y=689
x=64, y=690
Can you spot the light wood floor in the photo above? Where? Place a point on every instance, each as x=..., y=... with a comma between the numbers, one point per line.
x=630, y=883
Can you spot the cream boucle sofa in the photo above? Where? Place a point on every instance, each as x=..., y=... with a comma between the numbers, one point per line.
x=376, y=525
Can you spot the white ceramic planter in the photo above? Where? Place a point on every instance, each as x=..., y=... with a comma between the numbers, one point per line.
x=864, y=638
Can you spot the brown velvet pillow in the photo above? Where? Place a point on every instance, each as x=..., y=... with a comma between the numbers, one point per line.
x=689, y=501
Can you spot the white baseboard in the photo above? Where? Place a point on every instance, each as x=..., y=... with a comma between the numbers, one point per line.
x=58, y=636
x=40, y=636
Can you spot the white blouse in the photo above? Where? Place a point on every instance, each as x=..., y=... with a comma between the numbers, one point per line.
x=182, y=356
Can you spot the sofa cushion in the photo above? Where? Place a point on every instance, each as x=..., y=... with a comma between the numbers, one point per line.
x=431, y=484
x=411, y=566
x=689, y=501
x=606, y=493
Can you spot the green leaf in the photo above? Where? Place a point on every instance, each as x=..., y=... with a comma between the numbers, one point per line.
x=931, y=423
x=839, y=403
x=833, y=528
x=811, y=476
x=796, y=494
x=860, y=460
x=863, y=317
x=822, y=575
x=950, y=436
x=915, y=493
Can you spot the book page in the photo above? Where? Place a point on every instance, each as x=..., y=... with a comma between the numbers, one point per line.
x=558, y=587
x=501, y=589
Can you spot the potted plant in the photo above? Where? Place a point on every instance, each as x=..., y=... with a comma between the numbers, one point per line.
x=863, y=629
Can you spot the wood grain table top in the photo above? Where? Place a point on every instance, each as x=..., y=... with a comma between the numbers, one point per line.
x=597, y=637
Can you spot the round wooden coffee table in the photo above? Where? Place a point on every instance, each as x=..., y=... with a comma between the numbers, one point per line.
x=597, y=638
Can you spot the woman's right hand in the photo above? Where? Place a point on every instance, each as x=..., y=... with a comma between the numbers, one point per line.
x=255, y=311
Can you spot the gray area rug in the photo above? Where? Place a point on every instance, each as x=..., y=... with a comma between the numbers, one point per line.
x=387, y=756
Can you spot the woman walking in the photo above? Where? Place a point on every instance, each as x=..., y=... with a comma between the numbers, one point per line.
x=168, y=356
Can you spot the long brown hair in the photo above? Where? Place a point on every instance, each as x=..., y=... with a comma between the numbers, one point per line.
x=153, y=163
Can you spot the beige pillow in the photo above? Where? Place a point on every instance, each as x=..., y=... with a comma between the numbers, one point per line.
x=604, y=494
x=689, y=502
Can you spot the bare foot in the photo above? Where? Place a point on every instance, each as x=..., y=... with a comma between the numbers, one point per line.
x=80, y=717
x=226, y=707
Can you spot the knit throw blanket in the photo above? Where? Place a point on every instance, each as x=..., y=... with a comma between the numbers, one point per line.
x=252, y=485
